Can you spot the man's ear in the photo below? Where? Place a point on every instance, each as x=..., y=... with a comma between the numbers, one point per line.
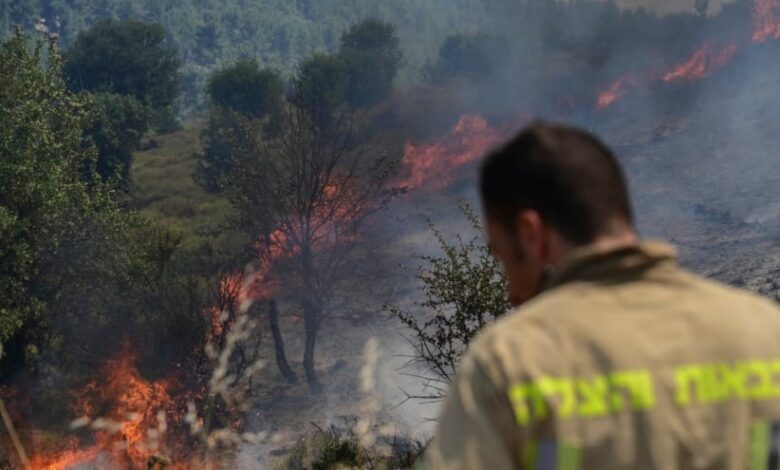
x=530, y=231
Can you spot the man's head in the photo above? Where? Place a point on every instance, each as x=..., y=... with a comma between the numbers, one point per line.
x=548, y=190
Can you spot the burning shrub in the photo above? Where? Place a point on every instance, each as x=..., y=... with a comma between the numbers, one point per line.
x=185, y=419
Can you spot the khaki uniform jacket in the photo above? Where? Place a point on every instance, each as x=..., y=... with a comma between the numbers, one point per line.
x=626, y=361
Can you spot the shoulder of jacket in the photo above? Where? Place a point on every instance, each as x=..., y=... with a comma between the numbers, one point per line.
x=722, y=291
x=524, y=333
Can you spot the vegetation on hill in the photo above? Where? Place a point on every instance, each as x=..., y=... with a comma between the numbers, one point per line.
x=209, y=34
x=77, y=268
x=114, y=222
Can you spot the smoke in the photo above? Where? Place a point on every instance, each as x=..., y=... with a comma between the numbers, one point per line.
x=693, y=116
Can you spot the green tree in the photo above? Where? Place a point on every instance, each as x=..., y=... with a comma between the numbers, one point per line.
x=126, y=57
x=372, y=55
x=321, y=84
x=243, y=90
x=119, y=125
x=77, y=272
x=51, y=200
x=463, y=289
x=215, y=162
x=247, y=89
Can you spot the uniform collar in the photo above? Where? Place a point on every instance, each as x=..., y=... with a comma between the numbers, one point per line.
x=593, y=264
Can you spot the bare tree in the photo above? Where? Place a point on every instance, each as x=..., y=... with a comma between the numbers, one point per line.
x=304, y=197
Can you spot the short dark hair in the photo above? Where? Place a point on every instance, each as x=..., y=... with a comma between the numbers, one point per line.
x=566, y=174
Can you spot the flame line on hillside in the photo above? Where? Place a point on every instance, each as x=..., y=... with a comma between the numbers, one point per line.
x=705, y=58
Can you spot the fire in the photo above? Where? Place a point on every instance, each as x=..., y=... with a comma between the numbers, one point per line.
x=766, y=21
x=435, y=165
x=701, y=63
x=612, y=93
x=766, y=27
x=326, y=227
x=130, y=431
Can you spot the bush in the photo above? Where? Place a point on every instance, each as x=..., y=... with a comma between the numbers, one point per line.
x=463, y=290
x=335, y=447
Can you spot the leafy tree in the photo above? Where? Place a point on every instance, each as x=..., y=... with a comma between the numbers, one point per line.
x=126, y=57
x=247, y=89
x=215, y=163
x=119, y=125
x=463, y=290
x=51, y=200
x=321, y=83
x=241, y=91
x=372, y=56
x=77, y=273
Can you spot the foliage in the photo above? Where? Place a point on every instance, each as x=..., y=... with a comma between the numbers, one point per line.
x=58, y=223
x=372, y=55
x=119, y=125
x=360, y=75
x=302, y=197
x=247, y=89
x=240, y=91
x=321, y=83
x=463, y=290
x=554, y=45
x=335, y=447
x=77, y=272
x=215, y=162
x=126, y=57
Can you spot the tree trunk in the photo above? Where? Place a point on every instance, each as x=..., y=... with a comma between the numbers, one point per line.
x=311, y=321
x=281, y=358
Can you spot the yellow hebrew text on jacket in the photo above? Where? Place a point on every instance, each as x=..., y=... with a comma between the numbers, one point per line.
x=592, y=397
x=634, y=390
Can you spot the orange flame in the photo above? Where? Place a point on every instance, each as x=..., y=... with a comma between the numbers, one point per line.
x=766, y=21
x=326, y=227
x=701, y=63
x=435, y=165
x=612, y=93
x=132, y=428
x=766, y=26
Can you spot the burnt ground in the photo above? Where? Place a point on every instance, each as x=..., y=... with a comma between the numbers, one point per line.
x=706, y=177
